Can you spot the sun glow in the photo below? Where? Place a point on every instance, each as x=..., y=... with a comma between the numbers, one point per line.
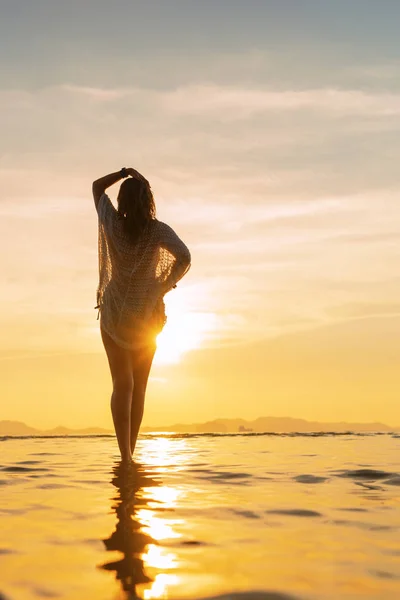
x=157, y=527
x=160, y=585
x=183, y=331
x=158, y=558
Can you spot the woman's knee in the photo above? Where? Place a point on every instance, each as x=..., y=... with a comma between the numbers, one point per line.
x=123, y=384
x=139, y=388
x=121, y=400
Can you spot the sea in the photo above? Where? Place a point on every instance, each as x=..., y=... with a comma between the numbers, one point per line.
x=257, y=516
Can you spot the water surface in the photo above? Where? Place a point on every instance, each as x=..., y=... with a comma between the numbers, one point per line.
x=274, y=517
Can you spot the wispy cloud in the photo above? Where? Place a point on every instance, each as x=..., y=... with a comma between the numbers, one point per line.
x=207, y=98
x=270, y=186
x=245, y=102
x=101, y=94
x=242, y=102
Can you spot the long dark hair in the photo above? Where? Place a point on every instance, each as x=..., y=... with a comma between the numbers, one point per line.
x=136, y=206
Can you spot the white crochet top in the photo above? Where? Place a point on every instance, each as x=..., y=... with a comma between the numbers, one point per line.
x=135, y=276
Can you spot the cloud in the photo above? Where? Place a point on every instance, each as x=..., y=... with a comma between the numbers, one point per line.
x=204, y=140
x=202, y=98
x=100, y=94
x=244, y=102
x=271, y=188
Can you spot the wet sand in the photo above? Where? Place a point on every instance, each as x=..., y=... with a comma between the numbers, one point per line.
x=266, y=516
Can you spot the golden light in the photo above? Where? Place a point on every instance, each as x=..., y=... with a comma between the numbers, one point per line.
x=157, y=558
x=159, y=587
x=154, y=524
x=155, y=527
x=164, y=453
x=183, y=331
x=167, y=495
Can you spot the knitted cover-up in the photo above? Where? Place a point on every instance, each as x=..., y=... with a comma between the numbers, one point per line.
x=135, y=276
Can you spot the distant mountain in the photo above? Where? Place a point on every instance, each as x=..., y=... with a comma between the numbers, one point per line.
x=19, y=428
x=260, y=425
x=67, y=431
x=271, y=424
x=16, y=428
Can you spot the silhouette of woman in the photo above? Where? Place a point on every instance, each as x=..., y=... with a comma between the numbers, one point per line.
x=140, y=260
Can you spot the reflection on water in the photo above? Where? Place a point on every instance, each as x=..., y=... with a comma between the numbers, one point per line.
x=141, y=568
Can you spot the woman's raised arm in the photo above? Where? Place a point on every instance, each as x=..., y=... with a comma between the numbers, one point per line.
x=100, y=185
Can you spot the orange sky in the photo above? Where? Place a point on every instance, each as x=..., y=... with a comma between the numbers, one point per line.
x=280, y=175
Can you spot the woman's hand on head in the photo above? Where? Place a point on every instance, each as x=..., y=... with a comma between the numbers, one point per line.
x=135, y=174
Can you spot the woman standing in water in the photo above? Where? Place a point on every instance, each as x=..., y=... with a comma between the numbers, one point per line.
x=140, y=260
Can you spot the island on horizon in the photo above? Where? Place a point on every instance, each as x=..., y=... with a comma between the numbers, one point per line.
x=260, y=425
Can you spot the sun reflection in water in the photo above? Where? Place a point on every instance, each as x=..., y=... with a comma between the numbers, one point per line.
x=166, y=494
x=160, y=586
x=157, y=558
x=165, y=454
x=156, y=527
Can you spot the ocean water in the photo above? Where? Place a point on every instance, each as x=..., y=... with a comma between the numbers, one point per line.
x=274, y=517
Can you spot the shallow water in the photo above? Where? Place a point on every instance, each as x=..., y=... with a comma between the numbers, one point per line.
x=270, y=516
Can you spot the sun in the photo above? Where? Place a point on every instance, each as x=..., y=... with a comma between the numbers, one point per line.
x=183, y=331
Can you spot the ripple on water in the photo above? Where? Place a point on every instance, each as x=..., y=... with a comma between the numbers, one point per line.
x=42, y=592
x=248, y=514
x=91, y=542
x=384, y=574
x=229, y=475
x=12, y=511
x=295, y=512
x=372, y=474
x=184, y=543
x=223, y=476
x=52, y=486
x=35, y=506
x=310, y=479
x=354, y=509
x=45, y=453
x=395, y=480
x=18, y=469
x=368, y=486
x=362, y=525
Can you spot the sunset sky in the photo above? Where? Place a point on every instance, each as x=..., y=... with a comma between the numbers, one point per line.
x=269, y=131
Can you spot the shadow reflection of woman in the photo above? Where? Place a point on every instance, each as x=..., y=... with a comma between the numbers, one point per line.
x=128, y=536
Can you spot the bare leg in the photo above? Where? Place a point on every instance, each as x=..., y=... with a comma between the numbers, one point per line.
x=121, y=399
x=141, y=365
x=120, y=408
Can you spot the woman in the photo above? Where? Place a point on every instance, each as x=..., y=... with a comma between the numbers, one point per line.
x=140, y=260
